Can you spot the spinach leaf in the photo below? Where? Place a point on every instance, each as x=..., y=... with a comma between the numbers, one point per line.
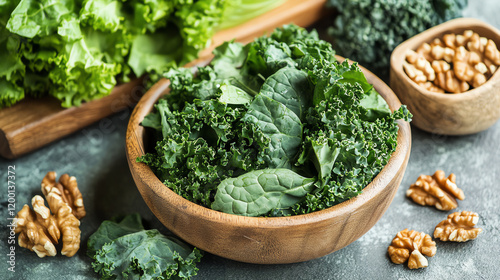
x=290, y=87
x=281, y=125
x=260, y=191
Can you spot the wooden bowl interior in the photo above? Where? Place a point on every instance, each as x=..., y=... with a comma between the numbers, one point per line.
x=266, y=240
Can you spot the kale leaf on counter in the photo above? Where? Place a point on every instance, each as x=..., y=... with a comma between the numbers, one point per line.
x=276, y=127
x=125, y=250
x=367, y=31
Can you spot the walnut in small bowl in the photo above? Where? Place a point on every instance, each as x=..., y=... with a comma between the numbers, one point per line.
x=450, y=114
x=454, y=63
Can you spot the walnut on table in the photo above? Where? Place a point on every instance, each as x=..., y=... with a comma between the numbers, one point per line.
x=458, y=227
x=67, y=189
x=411, y=246
x=39, y=230
x=436, y=190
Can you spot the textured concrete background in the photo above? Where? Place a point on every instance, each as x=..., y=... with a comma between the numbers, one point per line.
x=96, y=157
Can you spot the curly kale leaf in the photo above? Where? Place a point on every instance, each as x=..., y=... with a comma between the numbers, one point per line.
x=111, y=230
x=201, y=145
x=323, y=153
x=359, y=134
x=367, y=31
x=125, y=250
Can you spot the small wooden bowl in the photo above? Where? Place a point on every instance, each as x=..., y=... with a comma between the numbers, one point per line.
x=449, y=114
x=267, y=240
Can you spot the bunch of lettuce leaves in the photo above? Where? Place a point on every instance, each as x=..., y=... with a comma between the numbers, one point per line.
x=77, y=50
x=123, y=249
x=240, y=11
x=275, y=127
x=367, y=31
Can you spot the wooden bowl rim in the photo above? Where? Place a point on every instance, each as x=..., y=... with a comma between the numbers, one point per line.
x=398, y=56
x=134, y=139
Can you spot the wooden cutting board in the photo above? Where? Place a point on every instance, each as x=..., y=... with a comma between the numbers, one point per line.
x=33, y=123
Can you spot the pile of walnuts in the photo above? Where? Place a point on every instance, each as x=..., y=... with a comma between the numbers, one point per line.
x=41, y=228
x=454, y=64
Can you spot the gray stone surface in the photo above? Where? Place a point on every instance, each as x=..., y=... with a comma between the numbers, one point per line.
x=95, y=155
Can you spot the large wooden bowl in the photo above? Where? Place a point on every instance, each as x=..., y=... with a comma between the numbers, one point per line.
x=266, y=240
x=449, y=114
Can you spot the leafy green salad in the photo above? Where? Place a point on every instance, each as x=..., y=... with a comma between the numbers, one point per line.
x=272, y=128
x=77, y=50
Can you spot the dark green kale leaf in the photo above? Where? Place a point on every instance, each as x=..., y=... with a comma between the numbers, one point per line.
x=361, y=143
x=323, y=153
x=111, y=230
x=367, y=31
x=205, y=142
x=125, y=250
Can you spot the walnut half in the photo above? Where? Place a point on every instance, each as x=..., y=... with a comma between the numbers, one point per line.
x=418, y=243
x=436, y=190
x=458, y=227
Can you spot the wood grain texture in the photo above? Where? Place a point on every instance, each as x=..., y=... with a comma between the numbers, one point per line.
x=449, y=114
x=32, y=124
x=267, y=240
